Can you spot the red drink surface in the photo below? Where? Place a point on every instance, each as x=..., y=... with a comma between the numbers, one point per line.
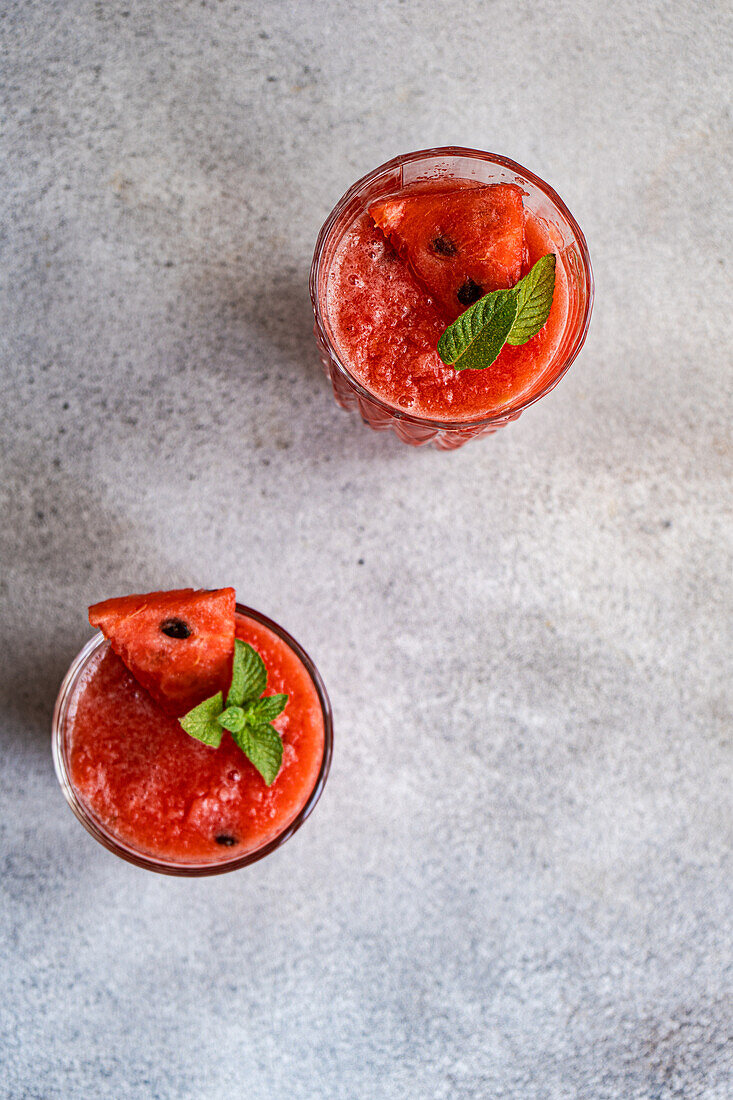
x=159, y=790
x=386, y=329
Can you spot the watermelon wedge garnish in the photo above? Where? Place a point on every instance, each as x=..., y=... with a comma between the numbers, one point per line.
x=178, y=645
x=459, y=244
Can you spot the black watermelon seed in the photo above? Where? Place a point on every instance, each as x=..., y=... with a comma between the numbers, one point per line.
x=443, y=246
x=176, y=628
x=226, y=840
x=469, y=292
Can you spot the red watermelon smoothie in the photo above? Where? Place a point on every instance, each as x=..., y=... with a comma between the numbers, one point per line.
x=162, y=800
x=377, y=327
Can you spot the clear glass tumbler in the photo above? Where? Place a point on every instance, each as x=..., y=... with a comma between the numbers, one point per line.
x=122, y=848
x=446, y=164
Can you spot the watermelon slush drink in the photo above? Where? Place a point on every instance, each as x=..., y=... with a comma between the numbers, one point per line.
x=377, y=326
x=161, y=799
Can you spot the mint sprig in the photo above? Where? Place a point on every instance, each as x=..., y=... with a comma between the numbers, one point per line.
x=514, y=316
x=247, y=716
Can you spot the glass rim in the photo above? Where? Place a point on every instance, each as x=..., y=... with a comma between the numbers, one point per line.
x=167, y=866
x=511, y=411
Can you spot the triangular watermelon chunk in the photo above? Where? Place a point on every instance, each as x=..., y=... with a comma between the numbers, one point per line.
x=178, y=645
x=460, y=244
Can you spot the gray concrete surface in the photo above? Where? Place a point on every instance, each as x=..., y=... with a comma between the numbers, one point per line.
x=518, y=882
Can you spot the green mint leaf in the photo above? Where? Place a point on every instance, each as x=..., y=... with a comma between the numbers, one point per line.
x=249, y=675
x=534, y=300
x=246, y=716
x=263, y=747
x=201, y=722
x=267, y=708
x=475, y=339
x=232, y=719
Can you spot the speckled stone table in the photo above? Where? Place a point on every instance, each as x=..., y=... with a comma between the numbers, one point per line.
x=518, y=882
